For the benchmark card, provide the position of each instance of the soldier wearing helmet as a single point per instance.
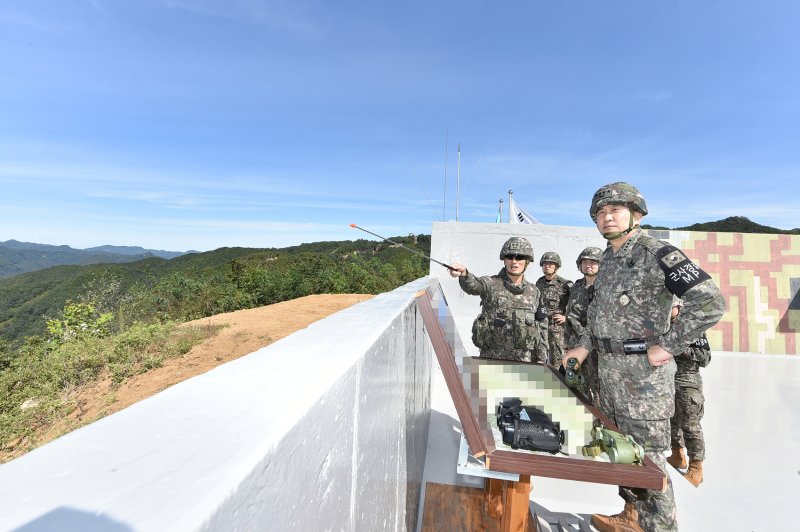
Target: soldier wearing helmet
(579, 298)
(617, 196)
(555, 294)
(509, 326)
(685, 427)
(628, 324)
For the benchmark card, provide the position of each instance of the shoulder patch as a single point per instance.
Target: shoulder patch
(680, 273)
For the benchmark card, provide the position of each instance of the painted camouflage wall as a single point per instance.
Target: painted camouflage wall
(759, 275)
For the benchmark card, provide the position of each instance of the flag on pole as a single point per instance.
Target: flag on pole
(520, 215)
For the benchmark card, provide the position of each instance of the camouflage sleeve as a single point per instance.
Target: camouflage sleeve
(566, 288)
(472, 285)
(542, 347)
(586, 337)
(573, 315)
(703, 306)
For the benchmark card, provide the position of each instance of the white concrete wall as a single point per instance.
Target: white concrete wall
(323, 430)
(477, 245)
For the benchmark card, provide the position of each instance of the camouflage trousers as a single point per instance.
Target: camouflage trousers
(555, 343)
(589, 371)
(656, 508)
(517, 355)
(685, 429)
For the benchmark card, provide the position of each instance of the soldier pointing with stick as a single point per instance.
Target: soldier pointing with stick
(511, 325)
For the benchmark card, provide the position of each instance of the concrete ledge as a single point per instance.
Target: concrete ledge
(325, 429)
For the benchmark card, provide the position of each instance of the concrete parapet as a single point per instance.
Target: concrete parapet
(325, 429)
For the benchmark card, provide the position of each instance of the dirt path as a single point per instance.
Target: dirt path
(244, 332)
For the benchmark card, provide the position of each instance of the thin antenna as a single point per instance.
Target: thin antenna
(458, 180)
(444, 194)
(433, 207)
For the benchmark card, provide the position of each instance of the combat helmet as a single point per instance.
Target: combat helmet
(617, 194)
(550, 256)
(591, 253)
(516, 245)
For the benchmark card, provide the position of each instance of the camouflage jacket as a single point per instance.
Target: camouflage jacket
(579, 298)
(555, 293)
(507, 327)
(697, 356)
(633, 295)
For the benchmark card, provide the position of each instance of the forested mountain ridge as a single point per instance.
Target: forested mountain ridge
(732, 224)
(202, 284)
(20, 257)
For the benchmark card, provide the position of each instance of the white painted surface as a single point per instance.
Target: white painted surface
(324, 429)
(752, 467)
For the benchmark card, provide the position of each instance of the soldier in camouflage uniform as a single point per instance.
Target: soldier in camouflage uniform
(511, 324)
(580, 296)
(628, 323)
(689, 406)
(555, 294)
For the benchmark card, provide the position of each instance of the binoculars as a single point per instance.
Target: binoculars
(572, 376)
(619, 448)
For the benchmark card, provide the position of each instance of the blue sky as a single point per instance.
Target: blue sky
(197, 124)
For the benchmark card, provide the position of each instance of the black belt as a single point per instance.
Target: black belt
(633, 346)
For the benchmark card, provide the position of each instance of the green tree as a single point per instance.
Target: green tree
(79, 320)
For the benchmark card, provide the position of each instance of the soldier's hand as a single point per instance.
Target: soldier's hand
(458, 270)
(559, 318)
(658, 356)
(576, 352)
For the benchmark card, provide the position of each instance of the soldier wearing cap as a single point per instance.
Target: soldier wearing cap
(555, 294)
(628, 323)
(510, 325)
(580, 296)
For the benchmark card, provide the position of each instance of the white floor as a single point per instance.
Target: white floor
(752, 467)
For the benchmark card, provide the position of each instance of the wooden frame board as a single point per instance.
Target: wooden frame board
(479, 435)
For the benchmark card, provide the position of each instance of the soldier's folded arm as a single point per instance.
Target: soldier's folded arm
(703, 306)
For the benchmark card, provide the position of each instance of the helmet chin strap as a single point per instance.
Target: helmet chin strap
(613, 235)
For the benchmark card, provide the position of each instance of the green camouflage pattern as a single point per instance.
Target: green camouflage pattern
(550, 256)
(685, 428)
(579, 298)
(631, 301)
(617, 194)
(516, 245)
(591, 253)
(555, 295)
(506, 328)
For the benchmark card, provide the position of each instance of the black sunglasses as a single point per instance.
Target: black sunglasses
(516, 257)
